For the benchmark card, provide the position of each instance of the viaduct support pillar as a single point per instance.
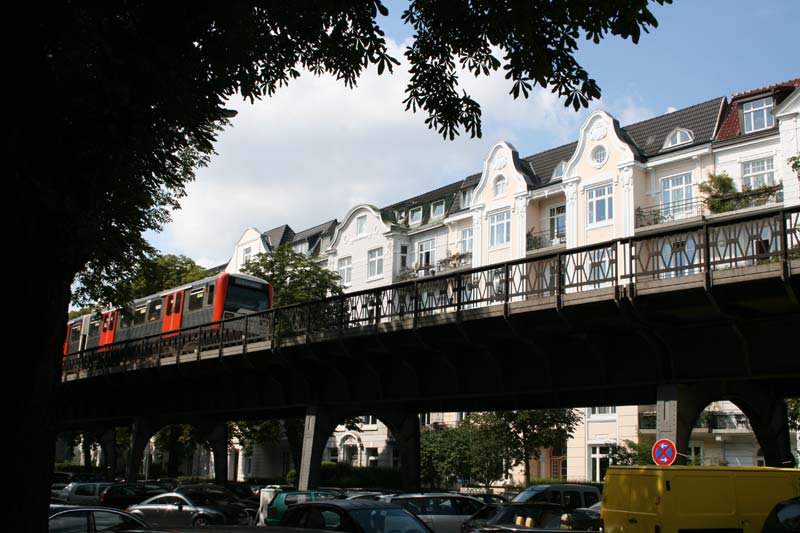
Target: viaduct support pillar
(405, 430)
(108, 447)
(218, 437)
(141, 432)
(677, 409)
(769, 420)
(320, 424)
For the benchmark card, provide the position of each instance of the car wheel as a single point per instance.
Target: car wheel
(201, 521)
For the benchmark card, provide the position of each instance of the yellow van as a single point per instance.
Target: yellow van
(683, 499)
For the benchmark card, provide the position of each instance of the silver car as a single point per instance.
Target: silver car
(83, 493)
(442, 512)
(189, 508)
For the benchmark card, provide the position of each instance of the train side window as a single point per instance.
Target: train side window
(139, 315)
(125, 319)
(178, 302)
(154, 310)
(94, 327)
(170, 299)
(76, 331)
(196, 299)
(210, 299)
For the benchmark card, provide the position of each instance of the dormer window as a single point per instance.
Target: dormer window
(466, 198)
(437, 209)
(678, 137)
(500, 186)
(301, 248)
(558, 172)
(757, 114)
(415, 215)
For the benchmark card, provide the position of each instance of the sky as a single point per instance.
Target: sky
(316, 149)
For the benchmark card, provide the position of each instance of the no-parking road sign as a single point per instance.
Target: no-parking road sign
(664, 452)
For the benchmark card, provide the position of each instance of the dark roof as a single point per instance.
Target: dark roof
(446, 193)
(277, 236)
(543, 163)
(730, 126)
(316, 231)
(701, 119)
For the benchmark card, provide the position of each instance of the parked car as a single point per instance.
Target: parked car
(584, 519)
(513, 516)
(364, 495)
(442, 512)
(93, 519)
(570, 495)
(122, 495)
(83, 493)
(188, 509)
(490, 498)
(784, 517)
(481, 518)
(283, 500)
(353, 516)
(222, 495)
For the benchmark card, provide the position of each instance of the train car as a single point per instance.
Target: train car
(200, 302)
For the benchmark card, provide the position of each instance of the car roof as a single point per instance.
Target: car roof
(350, 504)
(432, 494)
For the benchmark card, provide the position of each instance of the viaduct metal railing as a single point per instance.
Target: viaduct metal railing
(702, 248)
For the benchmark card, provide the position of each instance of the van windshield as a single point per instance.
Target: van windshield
(529, 493)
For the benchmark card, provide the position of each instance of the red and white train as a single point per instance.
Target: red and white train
(196, 303)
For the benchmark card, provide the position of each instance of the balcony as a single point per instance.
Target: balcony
(545, 239)
(767, 195)
(650, 216)
(454, 261)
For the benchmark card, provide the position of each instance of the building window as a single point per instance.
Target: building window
(361, 225)
(426, 254)
(246, 255)
(372, 457)
(758, 114)
(466, 198)
(369, 420)
(403, 256)
(395, 457)
(415, 215)
(345, 270)
(758, 173)
(375, 262)
(603, 411)
(601, 204)
(679, 136)
(333, 454)
(425, 419)
(301, 248)
(500, 186)
(558, 222)
(558, 172)
(676, 194)
(600, 462)
(466, 241)
(499, 228)
(437, 209)
(599, 156)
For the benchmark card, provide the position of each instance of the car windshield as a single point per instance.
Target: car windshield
(387, 520)
(595, 507)
(527, 494)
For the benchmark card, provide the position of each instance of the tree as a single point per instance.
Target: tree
(793, 410)
(632, 453)
(720, 193)
(794, 161)
(492, 446)
(127, 98)
(447, 455)
(534, 429)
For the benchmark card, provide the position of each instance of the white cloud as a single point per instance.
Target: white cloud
(671, 109)
(316, 148)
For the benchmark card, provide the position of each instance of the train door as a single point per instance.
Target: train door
(108, 328)
(173, 311)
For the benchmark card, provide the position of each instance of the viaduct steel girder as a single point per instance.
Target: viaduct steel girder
(611, 345)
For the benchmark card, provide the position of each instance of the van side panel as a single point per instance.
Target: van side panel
(756, 495)
(707, 499)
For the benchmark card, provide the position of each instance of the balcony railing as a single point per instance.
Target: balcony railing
(710, 420)
(545, 239)
(454, 262)
(707, 247)
(747, 198)
(650, 216)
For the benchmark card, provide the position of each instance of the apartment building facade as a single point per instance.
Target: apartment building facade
(613, 182)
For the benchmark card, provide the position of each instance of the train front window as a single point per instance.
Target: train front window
(245, 296)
